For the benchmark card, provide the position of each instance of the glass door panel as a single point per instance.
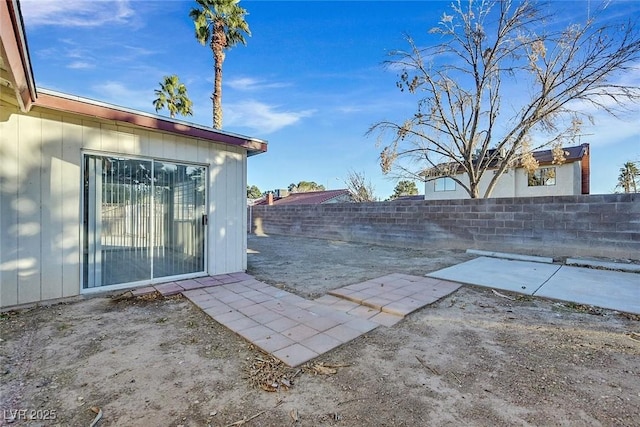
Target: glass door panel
(143, 219)
(179, 221)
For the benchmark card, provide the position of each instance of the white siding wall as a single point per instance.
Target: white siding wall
(504, 188)
(40, 196)
(514, 183)
(568, 182)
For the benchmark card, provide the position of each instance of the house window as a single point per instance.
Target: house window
(445, 184)
(542, 176)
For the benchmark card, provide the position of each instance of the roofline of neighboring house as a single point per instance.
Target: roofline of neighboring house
(17, 54)
(584, 153)
(16, 51)
(270, 199)
(89, 107)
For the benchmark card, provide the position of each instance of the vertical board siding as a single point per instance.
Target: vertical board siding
(9, 185)
(243, 225)
(40, 198)
(72, 132)
(51, 197)
(29, 224)
(235, 209)
(218, 211)
(227, 220)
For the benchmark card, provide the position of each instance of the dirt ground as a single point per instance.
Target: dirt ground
(473, 358)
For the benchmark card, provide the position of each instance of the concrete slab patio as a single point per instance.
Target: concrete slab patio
(607, 289)
(602, 288)
(524, 277)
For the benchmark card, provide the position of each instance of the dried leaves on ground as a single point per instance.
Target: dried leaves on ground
(270, 374)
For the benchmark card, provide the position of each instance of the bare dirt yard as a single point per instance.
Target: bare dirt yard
(472, 358)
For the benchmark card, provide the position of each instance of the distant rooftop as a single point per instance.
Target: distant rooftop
(308, 198)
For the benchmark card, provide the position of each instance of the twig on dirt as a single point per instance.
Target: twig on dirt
(322, 368)
(457, 379)
(424, 365)
(97, 411)
(245, 420)
(634, 336)
(503, 295)
(337, 365)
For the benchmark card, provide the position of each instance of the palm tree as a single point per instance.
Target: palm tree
(629, 178)
(173, 95)
(221, 24)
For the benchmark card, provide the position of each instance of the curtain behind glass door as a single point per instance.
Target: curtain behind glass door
(117, 199)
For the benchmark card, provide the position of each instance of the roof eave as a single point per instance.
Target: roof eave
(77, 105)
(14, 49)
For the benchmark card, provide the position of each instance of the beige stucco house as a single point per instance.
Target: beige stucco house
(566, 179)
(98, 197)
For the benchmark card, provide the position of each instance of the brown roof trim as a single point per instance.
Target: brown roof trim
(91, 108)
(14, 46)
(544, 158)
(572, 154)
(305, 198)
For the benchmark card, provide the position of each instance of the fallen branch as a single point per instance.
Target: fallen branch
(337, 365)
(457, 379)
(424, 365)
(97, 411)
(245, 420)
(503, 295)
(324, 369)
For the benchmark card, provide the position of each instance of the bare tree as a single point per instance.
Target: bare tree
(469, 119)
(360, 187)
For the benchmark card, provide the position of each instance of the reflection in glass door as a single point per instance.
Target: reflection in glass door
(143, 220)
(179, 194)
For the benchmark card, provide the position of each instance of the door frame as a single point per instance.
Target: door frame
(96, 289)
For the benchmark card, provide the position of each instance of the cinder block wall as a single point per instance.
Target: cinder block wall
(559, 226)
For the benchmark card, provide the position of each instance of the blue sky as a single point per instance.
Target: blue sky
(310, 80)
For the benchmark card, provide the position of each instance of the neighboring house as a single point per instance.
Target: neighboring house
(305, 198)
(566, 179)
(98, 197)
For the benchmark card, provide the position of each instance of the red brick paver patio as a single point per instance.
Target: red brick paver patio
(296, 330)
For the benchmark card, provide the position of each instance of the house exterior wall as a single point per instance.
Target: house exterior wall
(40, 196)
(514, 183)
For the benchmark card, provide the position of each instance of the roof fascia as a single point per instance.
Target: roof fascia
(77, 105)
(15, 50)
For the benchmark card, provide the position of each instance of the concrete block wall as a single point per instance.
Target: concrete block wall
(559, 226)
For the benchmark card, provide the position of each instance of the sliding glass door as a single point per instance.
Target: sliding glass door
(143, 219)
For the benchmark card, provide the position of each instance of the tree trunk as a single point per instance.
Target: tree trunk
(474, 191)
(218, 44)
